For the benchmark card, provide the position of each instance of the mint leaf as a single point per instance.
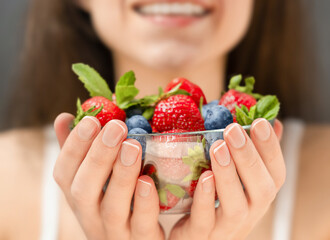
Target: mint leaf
(125, 90)
(268, 107)
(148, 113)
(242, 117)
(175, 190)
(252, 112)
(162, 196)
(235, 81)
(92, 81)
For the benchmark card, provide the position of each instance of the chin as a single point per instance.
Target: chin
(169, 57)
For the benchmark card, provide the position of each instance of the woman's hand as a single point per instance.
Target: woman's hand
(259, 163)
(87, 158)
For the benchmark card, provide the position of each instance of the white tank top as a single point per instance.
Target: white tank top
(284, 202)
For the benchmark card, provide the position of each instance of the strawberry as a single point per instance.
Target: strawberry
(177, 112)
(109, 111)
(195, 91)
(238, 95)
(171, 201)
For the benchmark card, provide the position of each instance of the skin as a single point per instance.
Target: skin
(86, 160)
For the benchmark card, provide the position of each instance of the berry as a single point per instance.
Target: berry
(171, 201)
(132, 111)
(195, 91)
(208, 106)
(217, 117)
(138, 121)
(141, 139)
(151, 171)
(211, 138)
(177, 112)
(109, 111)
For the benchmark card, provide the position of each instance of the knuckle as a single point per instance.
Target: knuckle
(267, 193)
(78, 194)
(239, 214)
(59, 177)
(98, 161)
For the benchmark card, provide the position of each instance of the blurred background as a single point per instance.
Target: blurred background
(12, 23)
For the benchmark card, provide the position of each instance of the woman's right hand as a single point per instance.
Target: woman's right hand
(88, 156)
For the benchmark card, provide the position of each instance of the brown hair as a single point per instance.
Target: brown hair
(59, 34)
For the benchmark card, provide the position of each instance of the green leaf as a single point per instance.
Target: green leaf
(148, 113)
(176, 88)
(252, 112)
(242, 117)
(92, 81)
(188, 160)
(235, 81)
(160, 91)
(125, 90)
(188, 178)
(148, 101)
(268, 107)
(176, 190)
(81, 114)
(201, 100)
(162, 196)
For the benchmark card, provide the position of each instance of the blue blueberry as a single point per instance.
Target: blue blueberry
(138, 121)
(217, 117)
(208, 106)
(130, 112)
(141, 139)
(211, 138)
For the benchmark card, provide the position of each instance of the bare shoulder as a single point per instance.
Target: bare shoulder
(20, 174)
(313, 192)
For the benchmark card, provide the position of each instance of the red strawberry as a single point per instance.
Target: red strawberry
(195, 91)
(171, 202)
(177, 112)
(233, 97)
(109, 111)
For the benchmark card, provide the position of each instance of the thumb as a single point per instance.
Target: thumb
(62, 127)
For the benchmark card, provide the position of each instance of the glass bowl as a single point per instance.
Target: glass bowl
(175, 162)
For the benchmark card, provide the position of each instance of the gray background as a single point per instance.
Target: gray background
(12, 17)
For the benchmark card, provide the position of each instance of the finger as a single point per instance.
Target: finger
(62, 127)
(202, 217)
(93, 172)
(233, 203)
(259, 184)
(144, 221)
(74, 151)
(268, 147)
(116, 203)
(278, 128)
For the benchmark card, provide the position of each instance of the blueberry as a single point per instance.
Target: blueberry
(214, 102)
(208, 106)
(138, 121)
(210, 139)
(217, 117)
(132, 111)
(141, 139)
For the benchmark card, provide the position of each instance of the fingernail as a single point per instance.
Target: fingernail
(113, 134)
(87, 128)
(144, 188)
(208, 184)
(261, 129)
(222, 154)
(235, 136)
(129, 153)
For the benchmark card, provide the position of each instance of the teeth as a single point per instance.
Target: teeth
(188, 9)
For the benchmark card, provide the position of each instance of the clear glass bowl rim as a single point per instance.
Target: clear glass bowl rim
(246, 127)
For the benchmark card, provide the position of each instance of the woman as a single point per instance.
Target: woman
(62, 32)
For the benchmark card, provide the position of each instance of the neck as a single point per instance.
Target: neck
(208, 75)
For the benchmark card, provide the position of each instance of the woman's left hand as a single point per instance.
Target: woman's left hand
(258, 162)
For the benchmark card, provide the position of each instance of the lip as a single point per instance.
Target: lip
(172, 21)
